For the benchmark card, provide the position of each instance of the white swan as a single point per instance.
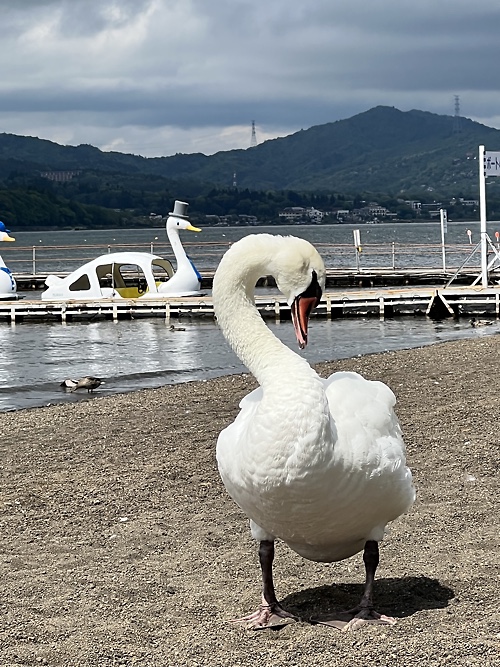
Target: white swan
(8, 287)
(318, 463)
(186, 279)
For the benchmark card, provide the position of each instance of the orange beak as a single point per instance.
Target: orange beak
(301, 310)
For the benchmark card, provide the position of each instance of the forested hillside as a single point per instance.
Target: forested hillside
(381, 155)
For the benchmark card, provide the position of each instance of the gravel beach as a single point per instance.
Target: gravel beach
(120, 546)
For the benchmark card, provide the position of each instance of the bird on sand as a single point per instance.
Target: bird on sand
(318, 463)
(479, 323)
(88, 382)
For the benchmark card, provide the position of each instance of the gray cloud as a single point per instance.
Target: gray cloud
(164, 76)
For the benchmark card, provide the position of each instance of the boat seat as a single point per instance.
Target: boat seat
(130, 292)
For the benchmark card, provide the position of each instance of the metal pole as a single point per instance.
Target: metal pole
(33, 262)
(357, 246)
(482, 212)
(444, 229)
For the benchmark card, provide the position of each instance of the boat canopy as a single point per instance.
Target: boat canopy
(120, 275)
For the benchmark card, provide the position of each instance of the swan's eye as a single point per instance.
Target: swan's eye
(178, 223)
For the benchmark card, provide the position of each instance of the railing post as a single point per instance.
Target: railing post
(393, 256)
(33, 261)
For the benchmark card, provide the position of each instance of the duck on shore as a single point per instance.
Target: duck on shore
(89, 382)
(480, 323)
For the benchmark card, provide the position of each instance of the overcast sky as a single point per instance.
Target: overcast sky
(159, 77)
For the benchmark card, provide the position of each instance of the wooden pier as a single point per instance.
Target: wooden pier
(437, 303)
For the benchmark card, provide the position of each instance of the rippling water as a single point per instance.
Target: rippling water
(130, 355)
(135, 354)
(414, 245)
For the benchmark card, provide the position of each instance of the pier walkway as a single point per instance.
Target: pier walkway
(435, 302)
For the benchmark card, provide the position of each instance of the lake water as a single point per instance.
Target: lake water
(131, 355)
(400, 245)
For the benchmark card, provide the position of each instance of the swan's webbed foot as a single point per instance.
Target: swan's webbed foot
(363, 612)
(270, 614)
(266, 616)
(354, 618)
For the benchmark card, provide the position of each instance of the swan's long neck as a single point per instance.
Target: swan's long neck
(246, 332)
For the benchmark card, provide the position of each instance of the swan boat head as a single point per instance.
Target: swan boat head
(186, 280)
(8, 287)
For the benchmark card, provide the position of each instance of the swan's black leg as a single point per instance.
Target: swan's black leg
(266, 558)
(270, 613)
(363, 612)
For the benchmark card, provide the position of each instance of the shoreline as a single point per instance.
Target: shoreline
(120, 545)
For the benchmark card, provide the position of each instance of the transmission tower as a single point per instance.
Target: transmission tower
(457, 125)
(253, 140)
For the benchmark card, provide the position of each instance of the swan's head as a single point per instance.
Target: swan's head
(180, 223)
(300, 276)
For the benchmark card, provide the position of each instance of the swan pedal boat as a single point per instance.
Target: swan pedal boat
(8, 287)
(133, 275)
(120, 275)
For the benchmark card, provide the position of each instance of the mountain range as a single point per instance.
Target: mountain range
(383, 150)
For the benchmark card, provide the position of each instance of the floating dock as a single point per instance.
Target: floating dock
(437, 303)
(345, 277)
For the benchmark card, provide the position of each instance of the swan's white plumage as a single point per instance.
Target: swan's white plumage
(318, 463)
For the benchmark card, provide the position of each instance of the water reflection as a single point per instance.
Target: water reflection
(135, 354)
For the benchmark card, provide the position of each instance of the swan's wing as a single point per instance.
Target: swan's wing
(231, 437)
(369, 401)
(234, 434)
(231, 451)
(370, 444)
(365, 420)
(251, 400)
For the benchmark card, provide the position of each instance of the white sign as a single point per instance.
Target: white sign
(444, 220)
(491, 163)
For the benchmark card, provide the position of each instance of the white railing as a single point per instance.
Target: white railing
(42, 260)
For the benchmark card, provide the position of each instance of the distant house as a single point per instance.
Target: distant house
(298, 214)
(342, 213)
(59, 176)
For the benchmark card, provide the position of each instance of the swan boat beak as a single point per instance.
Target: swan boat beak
(193, 229)
(302, 307)
(8, 238)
